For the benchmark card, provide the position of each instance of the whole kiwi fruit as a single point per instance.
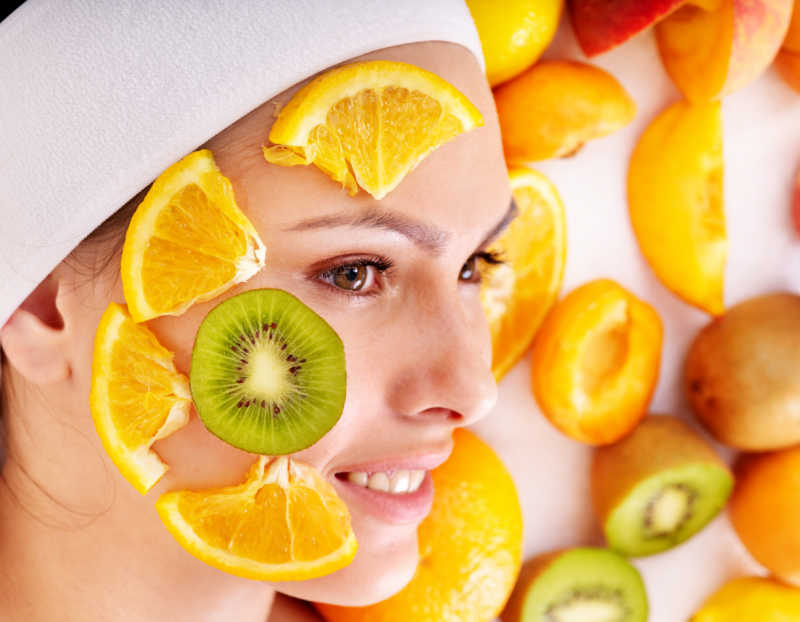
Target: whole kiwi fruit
(742, 374)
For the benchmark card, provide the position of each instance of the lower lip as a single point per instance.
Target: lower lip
(399, 509)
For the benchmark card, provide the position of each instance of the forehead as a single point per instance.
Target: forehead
(460, 187)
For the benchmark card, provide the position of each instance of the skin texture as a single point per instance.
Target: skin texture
(418, 365)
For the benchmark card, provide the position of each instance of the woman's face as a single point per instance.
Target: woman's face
(395, 279)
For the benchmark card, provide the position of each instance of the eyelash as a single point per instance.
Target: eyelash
(489, 258)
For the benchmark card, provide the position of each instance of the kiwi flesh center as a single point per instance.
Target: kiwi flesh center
(266, 370)
(590, 605)
(668, 510)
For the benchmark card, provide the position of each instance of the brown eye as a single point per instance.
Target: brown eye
(469, 271)
(351, 278)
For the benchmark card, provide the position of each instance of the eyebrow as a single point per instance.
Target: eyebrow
(426, 236)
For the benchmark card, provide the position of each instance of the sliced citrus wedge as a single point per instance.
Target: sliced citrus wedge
(369, 124)
(283, 523)
(517, 294)
(188, 241)
(137, 396)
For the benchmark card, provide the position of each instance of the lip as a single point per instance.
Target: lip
(397, 509)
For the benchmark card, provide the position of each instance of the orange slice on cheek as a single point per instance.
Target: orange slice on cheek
(187, 242)
(137, 396)
(595, 362)
(283, 523)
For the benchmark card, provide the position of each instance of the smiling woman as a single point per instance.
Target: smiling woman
(397, 279)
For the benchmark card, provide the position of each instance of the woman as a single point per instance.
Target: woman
(78, 542)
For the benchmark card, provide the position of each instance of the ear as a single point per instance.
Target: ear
(34, 338)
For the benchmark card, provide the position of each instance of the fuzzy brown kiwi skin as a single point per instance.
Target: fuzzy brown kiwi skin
(742, 374)
(527, 575)
(660, 442)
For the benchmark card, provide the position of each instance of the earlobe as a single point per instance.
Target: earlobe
(34, 338)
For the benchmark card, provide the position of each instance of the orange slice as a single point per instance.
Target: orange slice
(137, 396)
(283, 523)
(188, 241)
(369, 124)
(517, 294)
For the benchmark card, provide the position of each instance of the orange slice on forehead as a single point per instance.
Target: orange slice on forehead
(283, 523)
(369, 124)
(517, 294)
(188, 241)
(137, 396)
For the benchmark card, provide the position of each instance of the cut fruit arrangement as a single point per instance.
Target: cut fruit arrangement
(656, 481)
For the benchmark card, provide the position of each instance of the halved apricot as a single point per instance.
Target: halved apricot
(595, 362)
(676, 203)
(765, 510)
(517, 294)
(712, 50)
(553, 108)
(788, 64)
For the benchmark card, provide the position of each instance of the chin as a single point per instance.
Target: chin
(384, 564)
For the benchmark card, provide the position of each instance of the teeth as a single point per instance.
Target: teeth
(379, 482)
(398, 483)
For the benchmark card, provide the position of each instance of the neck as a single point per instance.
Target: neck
(67, 562)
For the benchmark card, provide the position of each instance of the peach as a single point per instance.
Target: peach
(676, 204)
(751, 598)
(765, 510)
(717, 49)
(600, 26)
(553, 108)
(788, 64)
(595, 362)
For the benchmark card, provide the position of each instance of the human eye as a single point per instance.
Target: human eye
(359, 276)
(473, 268)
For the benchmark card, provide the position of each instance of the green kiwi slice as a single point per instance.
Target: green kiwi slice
(268, 373)
(657, 487)
(584, 584)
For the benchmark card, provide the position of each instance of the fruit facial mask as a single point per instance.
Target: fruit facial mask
(369, 124)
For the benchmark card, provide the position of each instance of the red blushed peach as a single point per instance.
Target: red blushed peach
(716, 49)
(600, 26)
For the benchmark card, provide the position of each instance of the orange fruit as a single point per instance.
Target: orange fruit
(137, 396)
(751, 598)
(469, 545)
(765, 510)
(283, 523)
(369, 124)
(517, 294)
(515, 35)
(188, 241)
(675, 199)
(553, 108)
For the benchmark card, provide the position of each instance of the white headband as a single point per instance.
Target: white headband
(98, 97)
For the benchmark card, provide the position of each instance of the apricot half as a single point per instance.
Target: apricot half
(788, 59)
(751, 599)
(713, 50)
(553, 108)
(676, 204)
(765, 510)
(595, 362)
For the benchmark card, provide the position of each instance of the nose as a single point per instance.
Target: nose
(445, 369)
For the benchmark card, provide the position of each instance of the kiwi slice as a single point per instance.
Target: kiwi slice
(657, 487)
(268, 374)
(583, 584)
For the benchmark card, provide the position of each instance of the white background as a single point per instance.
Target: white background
(762, 156)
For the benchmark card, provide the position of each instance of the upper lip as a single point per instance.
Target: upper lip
(423, 461)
